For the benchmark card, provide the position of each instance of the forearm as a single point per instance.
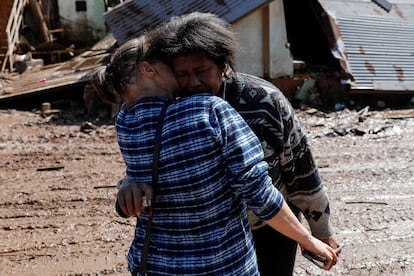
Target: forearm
(286, 223)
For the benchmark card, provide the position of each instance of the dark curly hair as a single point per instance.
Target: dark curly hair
(194, 33)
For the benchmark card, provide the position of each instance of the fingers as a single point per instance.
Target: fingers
(338, 249)
(127, 203)
(148, 192)
(331, 242)
(326, 257)
(134, 197)
(122, 203)
(331, 259)
(136, 202)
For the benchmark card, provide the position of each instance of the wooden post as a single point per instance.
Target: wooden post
(43, 26)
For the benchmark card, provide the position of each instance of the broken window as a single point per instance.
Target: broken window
(80, 5)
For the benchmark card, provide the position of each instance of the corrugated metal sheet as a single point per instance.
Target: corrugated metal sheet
(132, 18)
(379, 46)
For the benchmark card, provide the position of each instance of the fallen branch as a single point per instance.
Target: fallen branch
(366, 202)
(50, 168)
(105, 187)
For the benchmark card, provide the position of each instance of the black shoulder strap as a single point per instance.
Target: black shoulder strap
(156, 155)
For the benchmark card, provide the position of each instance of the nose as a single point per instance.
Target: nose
(194, 81)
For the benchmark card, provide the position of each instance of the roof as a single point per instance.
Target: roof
(132, 18)
(378, 46)
(72, 73)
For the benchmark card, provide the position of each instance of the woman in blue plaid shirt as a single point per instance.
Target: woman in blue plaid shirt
(211, 170)
(201, 47)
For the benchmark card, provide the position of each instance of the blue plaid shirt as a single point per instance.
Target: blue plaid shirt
(211, 170)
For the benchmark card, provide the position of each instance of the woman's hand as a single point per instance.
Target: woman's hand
(287, 223)
(333, 243)
(322, 252)
(133, 198)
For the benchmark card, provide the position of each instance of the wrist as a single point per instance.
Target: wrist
(305, 239)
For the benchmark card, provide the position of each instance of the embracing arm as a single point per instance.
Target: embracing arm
(253, 184)
(286, 223)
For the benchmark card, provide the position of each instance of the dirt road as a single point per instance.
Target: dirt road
(58, 188)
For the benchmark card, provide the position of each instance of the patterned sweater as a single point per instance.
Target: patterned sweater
(291, 165)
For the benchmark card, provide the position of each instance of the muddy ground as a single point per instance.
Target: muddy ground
(57, 184)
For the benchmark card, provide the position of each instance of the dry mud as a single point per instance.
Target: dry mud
(58, 188)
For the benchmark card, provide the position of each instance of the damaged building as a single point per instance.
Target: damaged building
(341, 46)
(315, 50)
(48, 48)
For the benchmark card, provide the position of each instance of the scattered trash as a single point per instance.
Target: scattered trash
(46, 110)
(339, 106)
(87, 127)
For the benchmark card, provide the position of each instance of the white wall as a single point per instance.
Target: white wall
(250, 34)
(83, 26)
(281, 62)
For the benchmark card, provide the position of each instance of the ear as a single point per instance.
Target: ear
(146, 70)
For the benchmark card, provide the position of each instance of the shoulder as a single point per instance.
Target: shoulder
(145, 109)
(255, 92)
(253, 82)
(253, 89)
(205, 106)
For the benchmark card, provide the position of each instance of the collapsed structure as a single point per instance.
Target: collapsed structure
(316, 49)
